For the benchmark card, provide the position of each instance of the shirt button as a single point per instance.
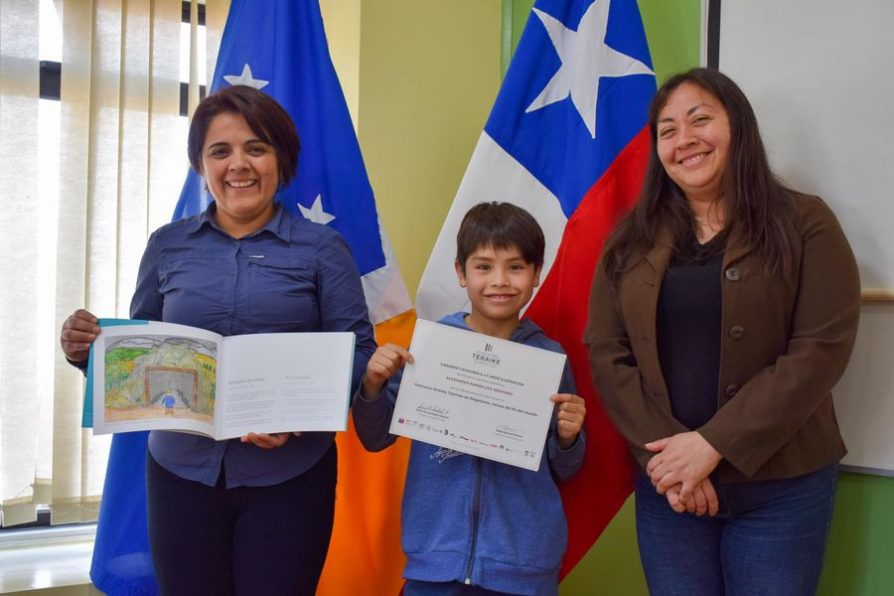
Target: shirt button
(731, 390)
(733, 274)
(736, 331)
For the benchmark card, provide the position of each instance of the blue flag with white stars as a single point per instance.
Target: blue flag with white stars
(281, 49)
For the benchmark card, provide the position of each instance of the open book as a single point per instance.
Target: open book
(145, 375)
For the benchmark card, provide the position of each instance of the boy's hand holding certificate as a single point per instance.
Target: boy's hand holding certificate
(477, 394)
(161, 376)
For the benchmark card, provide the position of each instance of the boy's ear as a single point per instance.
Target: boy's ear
(537, 275)
(460, 274)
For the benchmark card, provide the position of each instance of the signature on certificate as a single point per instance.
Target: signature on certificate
(504, 430)
(433, 411)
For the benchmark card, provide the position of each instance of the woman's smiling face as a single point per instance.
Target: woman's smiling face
(241, 172)
(693, 140)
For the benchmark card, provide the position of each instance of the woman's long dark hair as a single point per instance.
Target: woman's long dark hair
(753, 198)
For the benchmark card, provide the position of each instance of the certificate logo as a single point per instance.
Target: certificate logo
(486, 356)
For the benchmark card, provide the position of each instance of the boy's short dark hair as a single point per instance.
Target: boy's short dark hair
(502, 226)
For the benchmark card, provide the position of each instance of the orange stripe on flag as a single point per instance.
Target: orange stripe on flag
(365, 557)
(397, 330)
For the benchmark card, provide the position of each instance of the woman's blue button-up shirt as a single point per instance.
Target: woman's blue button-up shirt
(291, 275)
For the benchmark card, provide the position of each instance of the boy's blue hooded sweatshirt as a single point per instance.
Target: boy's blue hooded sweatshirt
(473, 520)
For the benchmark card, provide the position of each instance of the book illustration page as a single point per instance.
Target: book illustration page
(159, 377)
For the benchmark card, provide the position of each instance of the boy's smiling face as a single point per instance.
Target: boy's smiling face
(499, 283)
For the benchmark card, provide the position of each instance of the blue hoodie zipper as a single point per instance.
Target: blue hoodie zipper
(476, 512)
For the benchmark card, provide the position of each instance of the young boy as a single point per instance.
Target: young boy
(471, 525)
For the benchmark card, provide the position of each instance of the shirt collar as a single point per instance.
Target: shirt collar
(279, 224)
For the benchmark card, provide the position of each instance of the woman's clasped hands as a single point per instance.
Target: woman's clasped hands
(679, 470)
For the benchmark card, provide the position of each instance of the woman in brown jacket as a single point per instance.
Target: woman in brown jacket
(723, 311)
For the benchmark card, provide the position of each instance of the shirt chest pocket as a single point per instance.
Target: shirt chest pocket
(282, 294)
(193, 288)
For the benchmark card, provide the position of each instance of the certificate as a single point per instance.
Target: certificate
(477, 394)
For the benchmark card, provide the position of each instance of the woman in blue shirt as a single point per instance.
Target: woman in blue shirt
(251, 515)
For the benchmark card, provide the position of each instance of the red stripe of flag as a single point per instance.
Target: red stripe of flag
(598, 491)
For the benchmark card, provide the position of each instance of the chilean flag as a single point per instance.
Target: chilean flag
(567, 140)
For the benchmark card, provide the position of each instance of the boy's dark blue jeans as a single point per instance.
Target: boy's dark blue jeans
(768, 538)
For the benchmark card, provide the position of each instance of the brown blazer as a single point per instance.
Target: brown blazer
(786, 343)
